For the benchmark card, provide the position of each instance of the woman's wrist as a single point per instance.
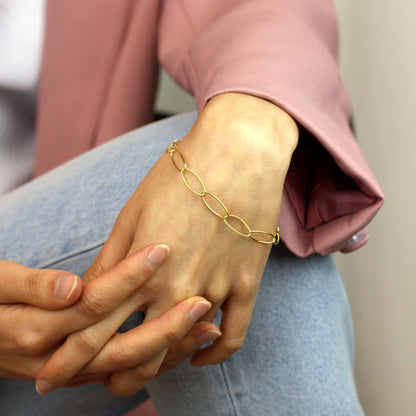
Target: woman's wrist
(241, 147)
(265, 126)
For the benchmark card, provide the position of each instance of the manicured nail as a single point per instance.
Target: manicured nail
(199, 310)
(65, 286)
(157, 256)
(208, 336)
(44, 386)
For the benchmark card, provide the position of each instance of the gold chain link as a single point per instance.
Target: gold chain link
(209, 199)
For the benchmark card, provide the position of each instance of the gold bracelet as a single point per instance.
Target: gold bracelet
(220, 210)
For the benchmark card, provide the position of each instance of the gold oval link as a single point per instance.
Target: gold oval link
(276, 236)
(264, 234)
(172, 156)
(203, 197)
(263, 237)
(173, 146)
(226, 220)
(204, 190)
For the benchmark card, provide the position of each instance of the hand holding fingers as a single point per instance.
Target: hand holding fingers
(236, 315)
(104, 305)
(141, 348)
(169, 328)
(102, 366)
(47, 289)
(101, 296)
(29, 335)
(22, 345)
(202, 333)
(125, 352)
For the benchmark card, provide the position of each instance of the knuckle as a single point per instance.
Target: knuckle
(148, 371)
(247, 286)
(96, 269)
(133, 279)
(215, 295)
(171, 337)
(119, 359)
(149, 286)
(125, 391)
(30, 343)
(32, 285)
(59, 372)
(232, 345)
(93, 305)
(86, 341)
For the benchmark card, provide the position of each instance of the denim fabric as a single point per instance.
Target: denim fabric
(298, 355)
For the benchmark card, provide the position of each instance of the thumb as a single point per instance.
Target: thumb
(47, 289)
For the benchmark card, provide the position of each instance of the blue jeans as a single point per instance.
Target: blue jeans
(298, 355)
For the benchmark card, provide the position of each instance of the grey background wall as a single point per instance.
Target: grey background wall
(378, 61)
(379, 67)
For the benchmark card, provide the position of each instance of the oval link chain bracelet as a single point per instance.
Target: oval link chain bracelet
(214, 204)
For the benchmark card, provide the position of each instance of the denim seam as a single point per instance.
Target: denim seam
(228, 387)
(71, 255)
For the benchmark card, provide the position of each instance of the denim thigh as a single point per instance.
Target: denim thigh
(297, 359)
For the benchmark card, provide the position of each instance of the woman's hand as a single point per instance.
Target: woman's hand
(23, 325)
(241, 147)
(139, 347)
(30, 333)
(93, 351)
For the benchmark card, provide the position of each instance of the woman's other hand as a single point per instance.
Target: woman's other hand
(26, 296)
(31, 327)
(92, 351)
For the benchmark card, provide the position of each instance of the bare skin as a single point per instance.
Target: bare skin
(241, 146)
(37, 317)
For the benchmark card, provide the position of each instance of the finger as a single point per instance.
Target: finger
(20, 366)
(47, 289)
(81, 346)
(116, 246)
(21, 329)
(87, 380)
(127, 383)
(211, 314)
(39, 330)
(101, 296)
(141, 350)
(196, 338)
(203, 331)
(236, 315)
(127, 350)
(199, 334)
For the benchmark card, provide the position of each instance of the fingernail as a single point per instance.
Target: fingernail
(209, 336)
(44, 386)
(157, 256)
(65, 286)
(199, 310)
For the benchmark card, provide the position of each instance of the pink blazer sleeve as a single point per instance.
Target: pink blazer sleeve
(284, 51)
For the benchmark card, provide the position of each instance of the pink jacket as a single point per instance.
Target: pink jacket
(99, 77)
